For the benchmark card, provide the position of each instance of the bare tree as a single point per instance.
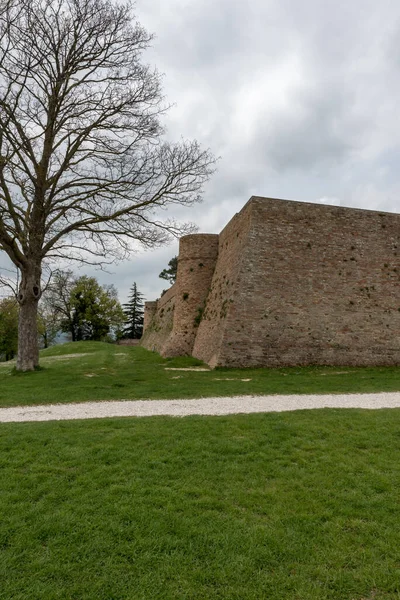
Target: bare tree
(84, 168)
(57, 299)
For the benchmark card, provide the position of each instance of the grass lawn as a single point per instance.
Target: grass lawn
(83, 371)
(290, 506)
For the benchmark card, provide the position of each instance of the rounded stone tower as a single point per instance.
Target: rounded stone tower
(198, 255)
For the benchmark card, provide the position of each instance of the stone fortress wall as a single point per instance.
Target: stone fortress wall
(285, 283)
(170, 323)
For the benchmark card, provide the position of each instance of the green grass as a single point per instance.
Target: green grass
(299, 506)
(105, 372)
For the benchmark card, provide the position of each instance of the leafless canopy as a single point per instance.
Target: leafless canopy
(82, 156)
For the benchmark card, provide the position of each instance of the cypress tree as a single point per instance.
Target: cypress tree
(134, 312)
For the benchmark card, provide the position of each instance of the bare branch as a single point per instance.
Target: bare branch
(85, 171)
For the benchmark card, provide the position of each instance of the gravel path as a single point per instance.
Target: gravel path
(201, 406)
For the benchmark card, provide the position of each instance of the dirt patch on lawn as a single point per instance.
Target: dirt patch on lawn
(186, 369)
(65, 356)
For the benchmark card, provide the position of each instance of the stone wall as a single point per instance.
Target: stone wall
(128, 342)
(196, 264)
(297, 284)
(222, 296)
(158, 321)
(171, 323)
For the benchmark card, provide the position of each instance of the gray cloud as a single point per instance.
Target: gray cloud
(300, 100)
(313, 131)
(308, 82)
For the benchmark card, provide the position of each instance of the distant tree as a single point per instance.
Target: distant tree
(82, 307)
(134, 311)
(49, 322)
(170, 274)
(8, 328)
(57, 299)
(85, 169)
(95, 310)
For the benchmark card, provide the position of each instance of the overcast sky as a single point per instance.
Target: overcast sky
(299, 98)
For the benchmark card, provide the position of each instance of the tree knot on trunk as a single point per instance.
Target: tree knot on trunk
(29, 292)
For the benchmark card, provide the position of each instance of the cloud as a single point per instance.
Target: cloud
(300, 100)
(291, 85)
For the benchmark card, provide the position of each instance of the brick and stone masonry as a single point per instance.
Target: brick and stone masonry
(285, 283)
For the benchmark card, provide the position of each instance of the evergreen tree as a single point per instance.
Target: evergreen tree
(170, 274)
(134, 311)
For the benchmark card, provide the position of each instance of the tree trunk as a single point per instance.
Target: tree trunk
(28, 297)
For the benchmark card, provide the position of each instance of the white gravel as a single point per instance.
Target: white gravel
(201, 406)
